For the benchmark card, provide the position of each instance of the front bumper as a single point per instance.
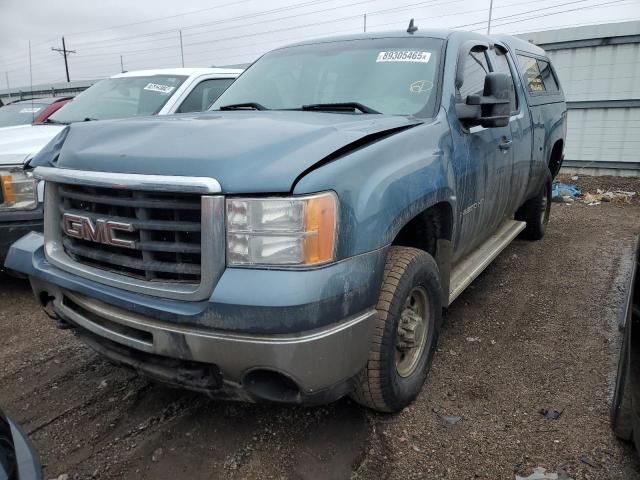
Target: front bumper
(324, 326)
(15, 225)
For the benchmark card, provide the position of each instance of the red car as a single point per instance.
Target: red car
(36, 110)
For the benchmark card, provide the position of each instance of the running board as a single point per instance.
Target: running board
(474, 264)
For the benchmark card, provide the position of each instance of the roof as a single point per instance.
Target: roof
(519, 44)
(44, 100)
(427, 33)
(181, 71)
(514, 42)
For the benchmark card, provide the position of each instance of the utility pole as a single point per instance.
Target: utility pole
(6, 75)
(181, 48)
(121, 64)
(490, 11)
(364, 26)
(65, 53)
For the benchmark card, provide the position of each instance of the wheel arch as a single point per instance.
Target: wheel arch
(431, 230)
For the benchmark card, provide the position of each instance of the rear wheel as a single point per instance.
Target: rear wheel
(535, 212)
(405, 334)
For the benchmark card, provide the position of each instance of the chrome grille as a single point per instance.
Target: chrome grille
(166, 232)
(175, 250)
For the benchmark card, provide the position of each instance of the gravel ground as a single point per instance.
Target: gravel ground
(537, 330)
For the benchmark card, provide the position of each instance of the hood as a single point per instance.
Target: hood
(23, 141)
(247, 152)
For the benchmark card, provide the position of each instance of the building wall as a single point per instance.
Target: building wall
(599, 69)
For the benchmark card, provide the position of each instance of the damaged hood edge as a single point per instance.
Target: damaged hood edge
(246, 152)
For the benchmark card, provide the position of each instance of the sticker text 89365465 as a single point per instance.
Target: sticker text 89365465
(404, 56)
(156, 87)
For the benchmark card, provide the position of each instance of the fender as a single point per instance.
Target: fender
(386, 184)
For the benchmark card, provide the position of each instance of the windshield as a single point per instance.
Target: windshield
(120, 97)
(20, 114)
(393, 76)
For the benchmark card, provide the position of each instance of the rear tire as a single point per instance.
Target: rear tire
(535, 212)
(405, 333)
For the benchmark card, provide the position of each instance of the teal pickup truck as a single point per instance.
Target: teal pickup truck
(298, 242)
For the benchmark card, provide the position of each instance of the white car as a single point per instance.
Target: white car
(139, 93)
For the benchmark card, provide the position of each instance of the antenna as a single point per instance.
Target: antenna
(412, 28)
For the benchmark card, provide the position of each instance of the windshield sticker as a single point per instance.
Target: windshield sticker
(404, 56)
(156, 87)
(30, 110)
(420, 86)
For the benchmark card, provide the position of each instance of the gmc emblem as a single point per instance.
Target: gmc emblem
(103, 231)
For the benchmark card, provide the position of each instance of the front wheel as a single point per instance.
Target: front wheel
(405, 333)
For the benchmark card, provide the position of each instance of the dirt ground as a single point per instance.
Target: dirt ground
(537, 330)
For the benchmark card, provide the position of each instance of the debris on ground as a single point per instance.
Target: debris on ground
(473, 339)
(540, 473)
(447, 419)
(567, 193)
(63, 476)
(157, 453)
(551, 414)
(564, 192)
(617, 196)
(591, 463)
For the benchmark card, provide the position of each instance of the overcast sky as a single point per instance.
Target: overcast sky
(223, 32)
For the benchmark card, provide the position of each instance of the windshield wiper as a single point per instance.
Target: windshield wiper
(244, 106)
(89, 119)
(338, 107)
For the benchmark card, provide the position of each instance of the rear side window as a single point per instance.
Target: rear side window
(501, 65)
(531, 71)
(475, 72)
(204, 94)
(547, 76)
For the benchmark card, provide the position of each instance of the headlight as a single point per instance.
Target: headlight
(18, 190)
(294, 231)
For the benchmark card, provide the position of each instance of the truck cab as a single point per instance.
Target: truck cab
(298, 242)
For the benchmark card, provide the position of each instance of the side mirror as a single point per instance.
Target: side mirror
(493, 107)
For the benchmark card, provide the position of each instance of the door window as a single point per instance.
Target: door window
(204, 94)
(475, 71)
(547, 76)
(501, 65)
(529, 67)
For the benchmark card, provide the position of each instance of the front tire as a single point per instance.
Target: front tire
(405, 333)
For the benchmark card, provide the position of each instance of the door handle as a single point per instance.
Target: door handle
(505, 144)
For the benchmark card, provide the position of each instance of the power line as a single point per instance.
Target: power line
(174, 30)
(157, 19)
(586, 7)
(271, 20)
(295, 27)
(213, 54)
(220, 21)
(505, 17)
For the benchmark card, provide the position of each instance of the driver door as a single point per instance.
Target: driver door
(485, 194)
